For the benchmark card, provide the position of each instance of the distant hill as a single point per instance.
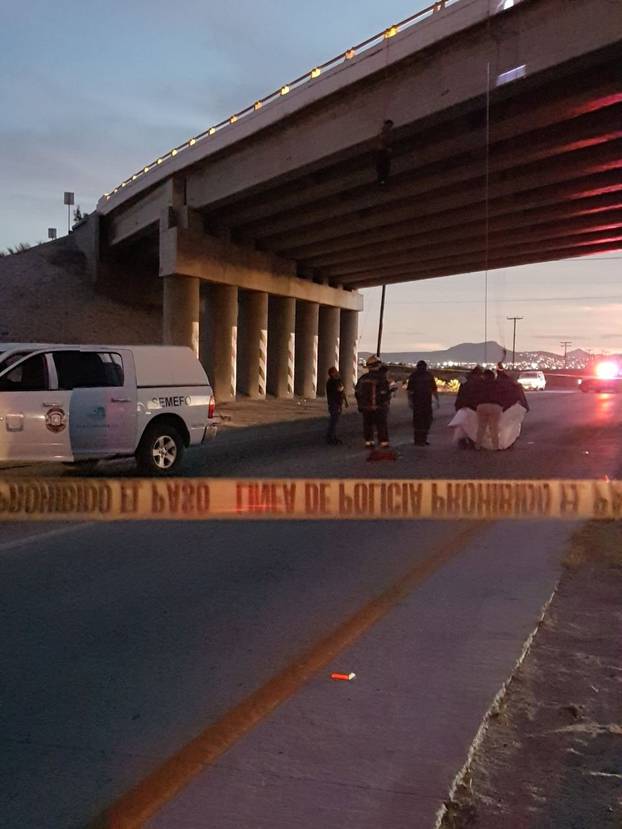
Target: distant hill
(462, 353)
(465, 353)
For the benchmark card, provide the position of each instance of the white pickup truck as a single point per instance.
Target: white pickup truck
(81, 404)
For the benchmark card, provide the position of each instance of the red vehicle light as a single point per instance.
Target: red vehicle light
(607, 370)
(211, 408)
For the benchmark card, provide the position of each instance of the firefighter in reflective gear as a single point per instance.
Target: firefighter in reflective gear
(373, 396)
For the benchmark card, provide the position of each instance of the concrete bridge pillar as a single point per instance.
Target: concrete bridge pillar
(348, 349)
(305, 375)
(180, 311)
(328, 355)
(219, 336)
(281, 345)
(253, 344)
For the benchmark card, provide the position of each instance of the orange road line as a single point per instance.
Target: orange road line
(141, 802)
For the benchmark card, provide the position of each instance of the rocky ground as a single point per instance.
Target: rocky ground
(551, 757)
(46, 295)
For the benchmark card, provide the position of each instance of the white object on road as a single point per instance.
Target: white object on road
(84, 403)
(464, 425)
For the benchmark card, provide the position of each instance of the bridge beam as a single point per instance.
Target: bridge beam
(190, 253)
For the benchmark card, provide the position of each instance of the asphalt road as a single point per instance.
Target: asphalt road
(120, 644)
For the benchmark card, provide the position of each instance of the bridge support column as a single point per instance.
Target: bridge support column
(281, 345)
(305, 374)
(348, 349)
(219, 337)
(328, 345)
(253, 344)
(180, 311)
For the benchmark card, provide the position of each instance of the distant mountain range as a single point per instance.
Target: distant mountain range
(465, 353)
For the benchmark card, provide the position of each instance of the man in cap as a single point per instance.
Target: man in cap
(421, 389)
(373, 395)
(335, 398)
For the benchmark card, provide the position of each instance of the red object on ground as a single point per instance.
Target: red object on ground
(342, 677)
(382, 455)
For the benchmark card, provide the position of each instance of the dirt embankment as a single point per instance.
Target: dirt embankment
(46, 295)
(552, 755)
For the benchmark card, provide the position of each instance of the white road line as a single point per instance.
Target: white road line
(20, 542)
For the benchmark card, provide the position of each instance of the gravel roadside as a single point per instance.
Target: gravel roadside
(551, 757)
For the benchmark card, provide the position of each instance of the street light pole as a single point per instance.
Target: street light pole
(69, 200)
(514, 320)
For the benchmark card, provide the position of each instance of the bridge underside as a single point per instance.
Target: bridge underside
(532, 177)
(506, 150)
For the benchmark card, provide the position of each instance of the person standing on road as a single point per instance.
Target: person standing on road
(421, 390)
(335, 398)
(489, 410)
(373, 396)
(467, 393)
(467, 400)
(510, 391)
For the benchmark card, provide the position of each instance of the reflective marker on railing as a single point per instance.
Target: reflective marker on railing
(351, 53)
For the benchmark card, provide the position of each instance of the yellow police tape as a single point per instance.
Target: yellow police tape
(83, 499)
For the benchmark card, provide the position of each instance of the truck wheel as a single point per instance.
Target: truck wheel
(161, 450)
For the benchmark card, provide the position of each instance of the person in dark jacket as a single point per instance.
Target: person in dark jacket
(467, 393)
(489, 409)
(467, 399)
(373, 396)
(510, 391)
(335, 398)
(421, 390)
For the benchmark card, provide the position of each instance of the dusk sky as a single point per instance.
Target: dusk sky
(90, 92)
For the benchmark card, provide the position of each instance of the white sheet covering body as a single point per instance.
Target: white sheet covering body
(464, 425)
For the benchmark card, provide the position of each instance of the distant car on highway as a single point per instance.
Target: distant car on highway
(532, 380)
(605, 376)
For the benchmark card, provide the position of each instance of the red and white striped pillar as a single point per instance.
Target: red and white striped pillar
(281, 346)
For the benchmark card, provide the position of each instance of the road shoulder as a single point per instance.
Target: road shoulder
(552, 753)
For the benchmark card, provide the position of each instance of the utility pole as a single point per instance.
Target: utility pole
(565, 345)
(381, 320)
(514, 320)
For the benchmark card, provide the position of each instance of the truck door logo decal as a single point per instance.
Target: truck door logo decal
(55, 419)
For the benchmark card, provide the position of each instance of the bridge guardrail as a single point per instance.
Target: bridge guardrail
(302, 80)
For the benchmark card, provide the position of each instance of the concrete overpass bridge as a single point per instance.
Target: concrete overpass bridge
(257, 234)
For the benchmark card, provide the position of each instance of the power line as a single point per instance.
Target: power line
(510, 300)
